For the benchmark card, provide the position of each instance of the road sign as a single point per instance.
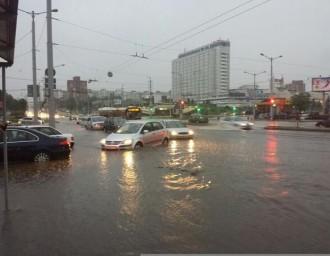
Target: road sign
(46, 72)
(110, 74)
(54, 82)
(30, 90)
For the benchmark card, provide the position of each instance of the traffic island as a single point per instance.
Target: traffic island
(291, 128)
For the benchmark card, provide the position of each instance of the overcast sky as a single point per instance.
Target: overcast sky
(296, 29)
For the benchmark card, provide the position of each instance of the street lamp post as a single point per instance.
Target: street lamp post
(271, 59)
(254, 89)
(34, 63)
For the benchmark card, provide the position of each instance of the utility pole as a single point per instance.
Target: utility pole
(150, 92)
(34, 65)
(254, 89)
(34, 71)
(51, 101)
(271, 59)
(5, 148)
(122, 95)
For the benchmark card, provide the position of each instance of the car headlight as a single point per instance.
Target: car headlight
(103, 141)
(191, 132)
(127, 142)
(173, 133)
(251, 124)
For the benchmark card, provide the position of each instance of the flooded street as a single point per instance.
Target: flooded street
(223, 192)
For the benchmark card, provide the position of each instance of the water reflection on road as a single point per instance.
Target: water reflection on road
(185, 167)
(129, 187)
(223, 192)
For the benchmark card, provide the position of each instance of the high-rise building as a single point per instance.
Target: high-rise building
(202, 73)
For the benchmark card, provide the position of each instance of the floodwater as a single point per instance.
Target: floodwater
(223, 192)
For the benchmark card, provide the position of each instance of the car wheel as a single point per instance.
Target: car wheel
(165, 142)
(138, 145)
(41, 157)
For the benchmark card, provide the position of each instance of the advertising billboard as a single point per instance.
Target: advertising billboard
(321, 84)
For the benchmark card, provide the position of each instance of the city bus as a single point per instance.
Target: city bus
(128, 113)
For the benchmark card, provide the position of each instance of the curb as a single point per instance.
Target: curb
(287, 128)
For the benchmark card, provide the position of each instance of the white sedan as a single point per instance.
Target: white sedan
(177, 130)
(237, 121)
(52, 132)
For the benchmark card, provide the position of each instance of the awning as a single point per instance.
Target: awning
(8, 20)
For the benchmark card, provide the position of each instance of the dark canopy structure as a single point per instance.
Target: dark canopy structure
(8, 20)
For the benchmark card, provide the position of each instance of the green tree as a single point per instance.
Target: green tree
(301, 101)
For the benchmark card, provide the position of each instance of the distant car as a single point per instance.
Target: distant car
(82, 120)
(30, 121)
(53, 132)
(317, 116)
(177, 130)
(323, 123)
(112, 124)
(136, 134)
(236, 121)
(198, 118)
(95, 123)
(29, 144)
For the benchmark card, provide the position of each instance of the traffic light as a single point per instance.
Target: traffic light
(182, 104)
(234, 108)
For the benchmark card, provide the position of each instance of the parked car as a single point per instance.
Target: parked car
(95, 123)
(323, 123)
(29, 144)
(237, 121)
(50, 131)
(136, 134)
(198, 118)
(112, 124)
(30, 121)
(177, 130)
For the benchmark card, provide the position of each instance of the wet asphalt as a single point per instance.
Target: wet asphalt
(226, 191)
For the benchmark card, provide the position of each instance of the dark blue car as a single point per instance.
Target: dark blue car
(28, 144)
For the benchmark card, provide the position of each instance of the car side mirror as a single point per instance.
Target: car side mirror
(145, 131)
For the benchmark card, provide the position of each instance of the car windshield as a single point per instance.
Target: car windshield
(130, 128)
(98, 119)
(174, 124)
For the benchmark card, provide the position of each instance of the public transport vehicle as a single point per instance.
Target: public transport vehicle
(128, 113)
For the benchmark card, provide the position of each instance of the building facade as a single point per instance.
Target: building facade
(297, 86)
(77, 88)
(202, 73)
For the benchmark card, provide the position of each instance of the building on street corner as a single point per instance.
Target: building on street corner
(203, 73)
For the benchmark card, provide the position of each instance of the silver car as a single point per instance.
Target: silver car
(177, 130)
(136, 134)
(237, 121)
(95, 122)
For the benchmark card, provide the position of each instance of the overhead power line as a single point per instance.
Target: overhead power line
(219, 23)
(107, 34)
(125, 64)
(22, 37)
